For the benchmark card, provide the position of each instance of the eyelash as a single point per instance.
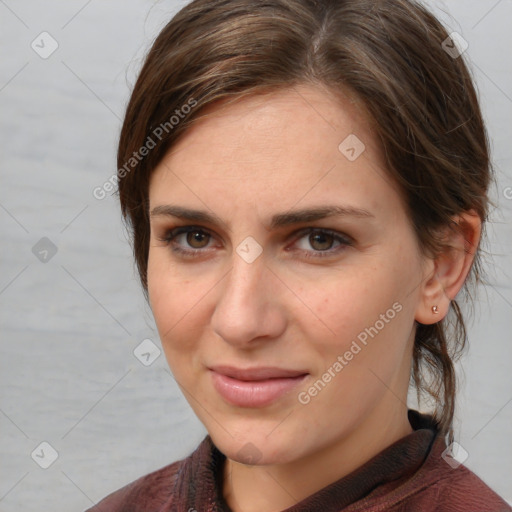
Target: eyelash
(344, 241)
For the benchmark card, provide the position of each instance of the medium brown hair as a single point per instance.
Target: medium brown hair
(390, 54)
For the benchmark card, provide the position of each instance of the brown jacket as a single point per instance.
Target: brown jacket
(412, 475)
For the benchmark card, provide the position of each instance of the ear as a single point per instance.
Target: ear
(445, 274)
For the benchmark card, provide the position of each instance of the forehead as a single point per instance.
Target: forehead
(283, 146)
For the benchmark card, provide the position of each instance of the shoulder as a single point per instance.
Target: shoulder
(444, 484)
(460, 489)
(148, 493)
(164, 488)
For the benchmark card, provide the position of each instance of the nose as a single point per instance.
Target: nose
(249, 309)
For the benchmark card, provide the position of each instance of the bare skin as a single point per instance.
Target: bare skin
(304, 300)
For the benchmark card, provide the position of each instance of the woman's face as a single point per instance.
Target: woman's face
(284, 276)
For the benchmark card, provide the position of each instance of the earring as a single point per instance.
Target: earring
(435, 310)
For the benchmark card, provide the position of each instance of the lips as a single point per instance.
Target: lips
(259, 373)
(254, 387)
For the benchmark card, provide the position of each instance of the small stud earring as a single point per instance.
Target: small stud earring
(435, 310)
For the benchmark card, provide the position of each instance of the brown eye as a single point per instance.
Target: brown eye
(197, 239)
(318, 243)
(321, 241)
(188, 241)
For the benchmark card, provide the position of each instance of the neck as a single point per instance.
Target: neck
(272, 488)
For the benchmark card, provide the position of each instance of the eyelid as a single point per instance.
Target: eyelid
(335, 234)
(171, 234)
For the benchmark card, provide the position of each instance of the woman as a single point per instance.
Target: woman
(306, 185)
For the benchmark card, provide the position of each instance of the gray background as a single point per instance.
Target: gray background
(68, 373)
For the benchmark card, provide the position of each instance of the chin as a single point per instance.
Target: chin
(255, 448)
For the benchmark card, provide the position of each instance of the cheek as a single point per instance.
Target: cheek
(350, 303)
(172, 299)
(369, 307)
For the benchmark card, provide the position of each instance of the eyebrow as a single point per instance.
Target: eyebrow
(277, 221)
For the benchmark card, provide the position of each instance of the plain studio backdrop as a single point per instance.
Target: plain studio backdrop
(72, 312)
